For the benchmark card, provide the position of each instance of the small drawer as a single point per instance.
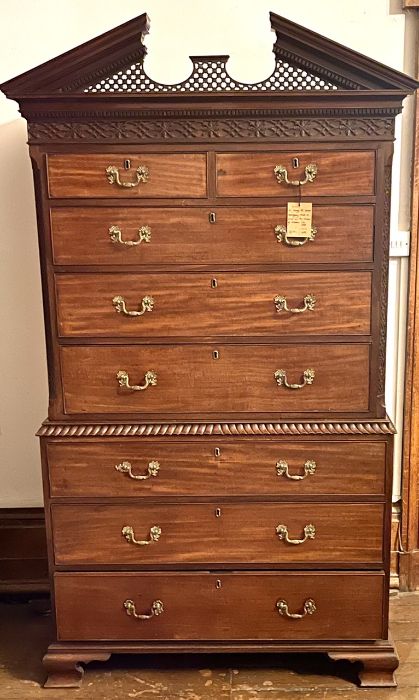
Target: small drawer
(301, 378)
(213, 304)
(222, 606)
(185, 235)
(147, 175)
(219, 533)
(343, 173)
(134, 468)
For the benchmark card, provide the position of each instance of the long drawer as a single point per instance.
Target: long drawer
(208, 378)
(132, 468)
(225, 304)
(219, 533)
(147, 175)
(232, 606)
(185, 235)
(337, 173)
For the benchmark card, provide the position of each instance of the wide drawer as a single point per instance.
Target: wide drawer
(218, 533)
(241, 606)
(166, 175)
(132, 468)
(201, 304)
(343, 173)
(216, 378)
(185, 235)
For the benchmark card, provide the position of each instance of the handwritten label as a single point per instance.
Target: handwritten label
(299, 219)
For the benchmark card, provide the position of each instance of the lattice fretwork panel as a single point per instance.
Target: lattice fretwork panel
(210, 74)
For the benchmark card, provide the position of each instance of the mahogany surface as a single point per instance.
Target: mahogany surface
(221, 468)
(203, 212)
(90, 606)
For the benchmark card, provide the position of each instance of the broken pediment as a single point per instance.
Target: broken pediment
(114, 63)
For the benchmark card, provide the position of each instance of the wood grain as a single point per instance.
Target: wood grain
(242, 379)
(339, 173)
(185, 235)
(242, 304)
(170, 175)
(90, 606)
(242, 534)
(83, 468)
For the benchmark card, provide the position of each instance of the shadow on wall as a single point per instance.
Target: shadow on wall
(23, 397)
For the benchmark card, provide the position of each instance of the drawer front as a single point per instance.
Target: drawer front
(205, 304)
(218, 533)
(90, 606)
(246, 378)
(169, 175)
(105, 236)
(134, 468)
(343, 173)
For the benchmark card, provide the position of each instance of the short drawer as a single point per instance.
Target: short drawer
(132, 468)
(163, 175)
(239, 606)
(185, 235)
(343, 173)
(223, 378)
(219, 533)
(219, 304)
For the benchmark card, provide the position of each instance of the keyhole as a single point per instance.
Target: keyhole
(212, 217)
(295, 163)
(214, 283)
(218, 512)
(217, 452)
(215, 355)
(218, 583)
(127, 164)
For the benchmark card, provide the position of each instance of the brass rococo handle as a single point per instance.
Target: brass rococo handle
(281, 378)
(309, 534)
(147, 304)
(156, 609)
(308, 609)
(281, 174)
(282, 235)
(281, 304)
(282, 470)
(154, 536)
(112, 173)
(144, 235)
(126, 468)
(150, 379)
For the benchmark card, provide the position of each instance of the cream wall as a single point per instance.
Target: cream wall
(34, 31)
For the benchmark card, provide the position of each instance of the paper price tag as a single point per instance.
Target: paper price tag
(299, 219)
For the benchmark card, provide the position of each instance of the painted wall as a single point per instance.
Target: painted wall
(33, 32)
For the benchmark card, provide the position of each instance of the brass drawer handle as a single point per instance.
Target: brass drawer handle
(282, 470)
(282, 235)
(147, 304)
(308, 609)
(309, 534)
(156, 609)
(150, 379)
(281, 304)
(112, 173)
(128, 533)
(152, 470)
(144, 235)
(281, 174)
(281, 378)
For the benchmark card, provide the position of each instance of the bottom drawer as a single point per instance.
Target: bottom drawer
(219, 606)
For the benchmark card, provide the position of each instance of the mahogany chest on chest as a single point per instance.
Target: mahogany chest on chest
(217, 457)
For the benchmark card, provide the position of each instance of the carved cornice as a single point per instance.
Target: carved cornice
(315, 69)
(66, 430)
(210, 129)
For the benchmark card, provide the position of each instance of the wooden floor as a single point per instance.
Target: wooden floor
(24, 635)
